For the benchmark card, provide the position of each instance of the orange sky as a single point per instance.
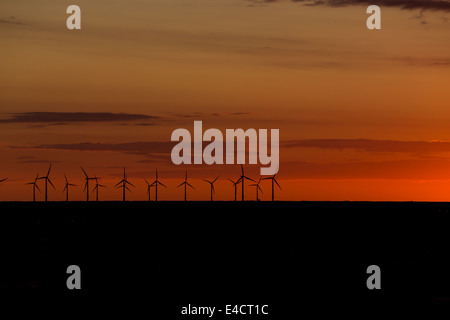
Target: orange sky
(363, 115)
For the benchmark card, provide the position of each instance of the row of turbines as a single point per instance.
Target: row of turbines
(124, 184)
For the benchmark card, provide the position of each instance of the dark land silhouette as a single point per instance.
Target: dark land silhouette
(289, 255)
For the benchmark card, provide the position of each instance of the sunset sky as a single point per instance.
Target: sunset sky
(363, 114)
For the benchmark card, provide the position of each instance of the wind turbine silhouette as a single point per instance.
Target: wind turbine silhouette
(273, 184)
(97, 186)
(242, 178)
(155, 184)
(66, 188)
(212, 186)
(258, 188)
(235, 186)
(124, 183)
(149, 186)
(47, 180)
(86, 185)
(185, 183)
(3, 180)
(34, 183)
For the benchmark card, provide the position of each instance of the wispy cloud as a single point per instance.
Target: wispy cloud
(140, 148)
(11, 20)
(61, 118)
(424, 62)
(378, 146)
(433, 5)
(367, 145)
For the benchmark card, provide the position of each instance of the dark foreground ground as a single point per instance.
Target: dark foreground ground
(158, 257)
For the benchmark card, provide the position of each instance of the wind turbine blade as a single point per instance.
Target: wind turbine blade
(129, 183)
(190, 185)
(71, 184)
(249, 179)
(276, 183)
(267, 178)
(95, 188)
(66, 179)
(49, 168)
(161, 184)
(147, 182)
(206, 180)
(100, 185)
(259, 188)
(37, 176)
(3, 180)
(85, 185)
(65, 188)
(231, 181)
(37, 187)
(181, 184)
(214, 191)
(28, 183)
(49, 181)
(84, 172)
(242, 169)
(119, 183)
(215, 179)
(127, 188)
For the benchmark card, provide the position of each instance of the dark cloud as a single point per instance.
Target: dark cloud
(211, 114)
(255, 3)
(140, 148)
(424, 62)
(379, 146)
(11, 20)
(164, 148)
(60, 118)
(434, 5)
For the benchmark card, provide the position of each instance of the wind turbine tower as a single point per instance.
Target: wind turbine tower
(212, 186)
(185, 183)
(47, 181)
(155, 184)
(124, 184)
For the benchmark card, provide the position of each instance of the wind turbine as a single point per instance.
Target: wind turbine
(212, 186)
(47, 180)
(97, 186)
(66, 187)
(34, 183)
(185, 183)
(273, 184)
(235, 186)
(124, 183)
(86, 185)
(242, 178)
(149, 186)
(155, 184)
(258, 188)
